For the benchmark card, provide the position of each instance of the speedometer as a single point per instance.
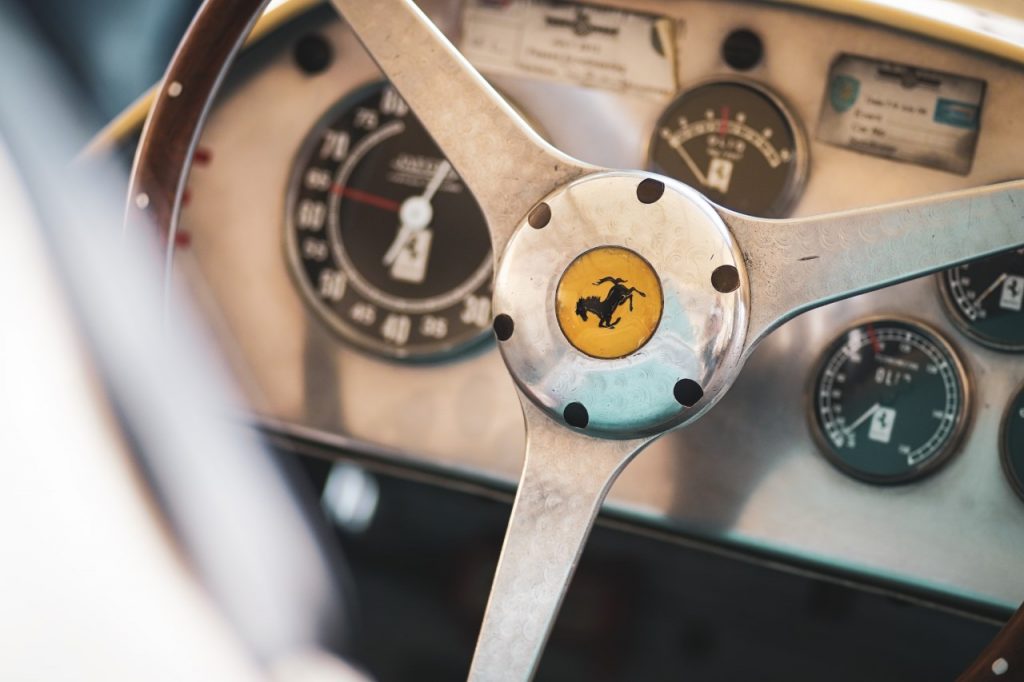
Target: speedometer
(735, 142)
(889, 401)
(384, 239)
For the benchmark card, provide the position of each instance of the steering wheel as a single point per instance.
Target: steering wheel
(694, 288)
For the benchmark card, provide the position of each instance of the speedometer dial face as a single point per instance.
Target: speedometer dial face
(736, 143)
(1013, 442)
(986, 299)
(385, 240)
(889, 401)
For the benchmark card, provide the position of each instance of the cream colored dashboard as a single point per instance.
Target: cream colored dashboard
(750, 474)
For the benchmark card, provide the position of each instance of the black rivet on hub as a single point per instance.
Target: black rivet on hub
(503, 327)
(576, 415)
(742, 49)
(649, 190)
(687, 392)
(313, 54)
(540, 216)
(725, 278)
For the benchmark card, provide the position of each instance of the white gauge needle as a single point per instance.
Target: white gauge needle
(691, 164)
(871, 410)
(992, 287)
(416, 212)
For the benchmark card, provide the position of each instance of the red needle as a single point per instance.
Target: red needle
(723, 127)
(874, 339)
(366, 198)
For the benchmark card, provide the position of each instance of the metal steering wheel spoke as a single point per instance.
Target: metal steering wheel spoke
(506, 165)
(626, 307)
(566, 476)
(796, 265)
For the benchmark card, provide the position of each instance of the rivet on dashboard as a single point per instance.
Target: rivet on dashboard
(503, 327)
(174, 89)
(540, 216)
(742, 49)
(725, 278)
(576, 415)
(649, 190)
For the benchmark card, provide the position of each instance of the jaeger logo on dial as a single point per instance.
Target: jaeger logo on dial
(609, 302)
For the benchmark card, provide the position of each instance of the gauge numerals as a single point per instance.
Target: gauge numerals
(889, 401)
(735, 142)
(386, 242)
(985, 298)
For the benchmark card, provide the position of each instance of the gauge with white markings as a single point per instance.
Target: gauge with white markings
(890, 401)
(385, 240)
(735, 142)
(986, 299)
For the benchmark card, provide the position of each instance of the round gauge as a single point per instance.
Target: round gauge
(735, 142)
(986, 299)
(385, 240)
(890, 401)
(1013, 442)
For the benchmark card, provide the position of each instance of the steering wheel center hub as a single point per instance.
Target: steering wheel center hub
(628, 299)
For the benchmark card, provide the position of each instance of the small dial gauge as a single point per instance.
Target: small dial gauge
(735, 142)
(1013, 442)
(986, 299)
(889, 401)
(385, 240)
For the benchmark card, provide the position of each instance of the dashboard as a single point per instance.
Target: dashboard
(347, 268)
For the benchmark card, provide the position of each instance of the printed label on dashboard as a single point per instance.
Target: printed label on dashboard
(590, 46)
(903, 113)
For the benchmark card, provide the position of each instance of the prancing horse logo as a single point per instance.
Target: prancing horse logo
(604, 310)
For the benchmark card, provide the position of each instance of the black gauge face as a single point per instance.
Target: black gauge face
(736, 144)
(1013, 442)
(385, 240)
(889, 401)
(986, 299)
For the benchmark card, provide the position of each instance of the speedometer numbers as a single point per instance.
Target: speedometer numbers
(890, 401)
(985, 298)
(736, 143)
(385, 241)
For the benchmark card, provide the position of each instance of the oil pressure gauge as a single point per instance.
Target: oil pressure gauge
(890, 401)
(985, 298)
(736, 143)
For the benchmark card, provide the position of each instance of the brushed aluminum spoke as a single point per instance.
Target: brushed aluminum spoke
(506, 165)
(796, 265)
(566, 476)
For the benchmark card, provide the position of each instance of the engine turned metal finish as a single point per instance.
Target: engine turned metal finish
(614, 304)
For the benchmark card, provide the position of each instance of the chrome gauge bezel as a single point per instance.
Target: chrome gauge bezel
(925, 468)
(480, 282)
(801, 160)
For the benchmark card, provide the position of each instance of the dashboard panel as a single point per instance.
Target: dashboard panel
(752, 473)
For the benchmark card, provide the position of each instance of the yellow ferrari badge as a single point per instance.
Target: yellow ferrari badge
(609, 302)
